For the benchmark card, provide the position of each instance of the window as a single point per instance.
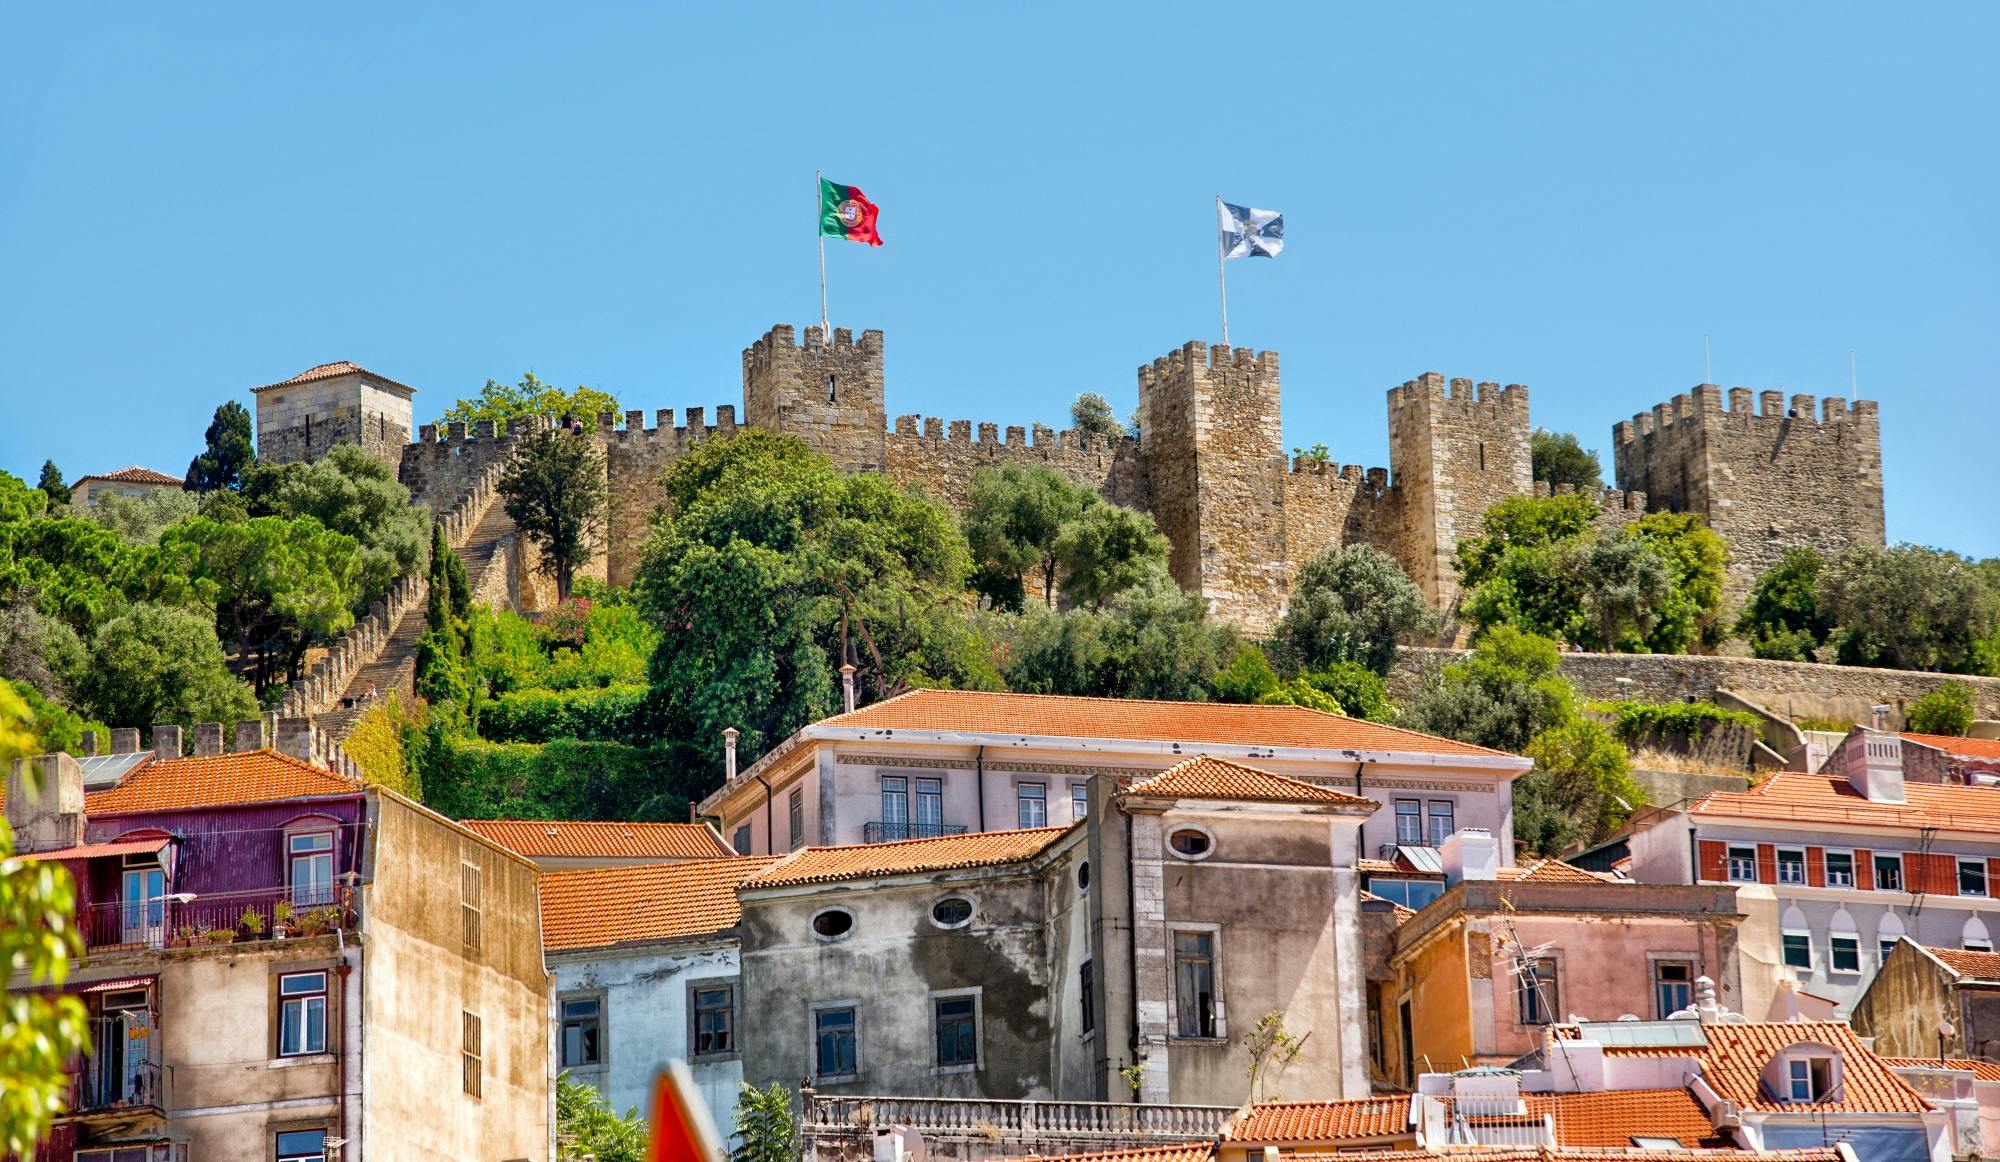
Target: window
(952, 912)
(582, 1032)
(1086, 991)
(144, 915)
(1791, 866)
(1644, 1142)
(301, 1014)
(311, 865)
(468, 906)
(895, 806)
(1410, 822)
(1079, 801)
(833, 923)
(1194, 984)
(1673, 984)
(1976, 945)
(1190, 842)
(1539, 997)
(795, 809)
(835, 1033)
(1440, 820)
(1798, 949)
(1083, 876)
(1886, 946)
(1743, 865)
(1839, 869)
(957, 1021)
(470, 1062)
(1808, 1079)
(714, 1019)
(1409, 893)
(1971, 877)
(930, 808)
(742, 844)
(301, 1145)
(1844, 953)
(1032, 800)
(1888, 873)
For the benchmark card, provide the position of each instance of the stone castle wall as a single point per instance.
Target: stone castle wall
(298, 423)
(1455, 453)
(940, 458)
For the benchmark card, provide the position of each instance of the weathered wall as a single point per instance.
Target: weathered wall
(1329, 505)
(299, 422)
(926, 452)
(830, 394)
(1767, 480)
(1454, 454)
(636, 458)
(1902, 1007)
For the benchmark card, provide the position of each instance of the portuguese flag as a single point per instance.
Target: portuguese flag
(846, 212)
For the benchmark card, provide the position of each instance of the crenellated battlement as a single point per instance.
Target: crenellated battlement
(1333, 470)
(1195, 353)
(1461, 394)
(1745, 408)
(937, 430)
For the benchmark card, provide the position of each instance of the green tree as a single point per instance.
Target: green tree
(1091, 415)
(531, 397)
(82, 573)
(1623, 583)
(1248, 677)
(277, 584)
(1949, 709)
(445, 677)
(52, 485)
(1522, 522)
(1910, 607)
(1349, 604)
(352, 492)
(588, 1127)
(155, 664)
(56, 727)
(1782, 619)
(1106, 550)
(1013, 517)
(39, 651)
(1360, 691)
(18, 502)
(1689, 614)
(41, 1030)
(228, 453)
(1558, 459)
(1501, 695)
(1589, 779)
(554, 489)
(1152, 641)
(139, 520)
(766, 1128)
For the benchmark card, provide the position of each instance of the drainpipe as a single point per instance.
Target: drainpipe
(979, 765)
(847, 685)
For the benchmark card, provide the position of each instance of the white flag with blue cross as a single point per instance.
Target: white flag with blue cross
(1249, 233)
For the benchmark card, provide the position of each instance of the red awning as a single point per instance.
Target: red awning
(94, 850)
(112, 986)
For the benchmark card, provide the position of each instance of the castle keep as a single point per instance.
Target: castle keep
(1210, 465)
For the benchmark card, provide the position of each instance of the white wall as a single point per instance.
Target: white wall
(646, 1023)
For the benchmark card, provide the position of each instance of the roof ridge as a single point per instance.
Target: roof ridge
(964, 836)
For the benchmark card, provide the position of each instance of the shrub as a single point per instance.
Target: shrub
(1949, 709)
(602, 713)
(569, 779)
(377, 745)
(1635, 720)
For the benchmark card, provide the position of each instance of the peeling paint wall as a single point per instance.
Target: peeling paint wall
(645, 1014)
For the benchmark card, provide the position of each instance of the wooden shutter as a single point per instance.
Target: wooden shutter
(1767, 863)
(1816, 867)
(1864, 870)
(1714, 860)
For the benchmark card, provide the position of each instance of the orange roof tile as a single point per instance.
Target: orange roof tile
(1973, 748)
(571, 839)
(1322, 1121)
(1060, 716)
(1981, 1070)
(95, 850)
(1403, 912)
(1577, 1154)
(1613, 1117)
(811, 865)
(1733, 1063)
(1829, 799)
(1545, 871)
(134, 475)
(1203, 777)
(332, 370)
(256, 776)
(638, 903)
(1977, 965)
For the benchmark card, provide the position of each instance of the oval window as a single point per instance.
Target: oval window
(833, 923)
(1083, 876)
(1189, 843)
(951, 912)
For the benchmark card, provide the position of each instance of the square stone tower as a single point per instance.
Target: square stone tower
(1213, 453)
(299, 418)
(1452, 455)
(829, 394)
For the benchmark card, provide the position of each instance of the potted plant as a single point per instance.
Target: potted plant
(186, 934)
(219, 935)
(281, 919)
(252, 922)
(311, 922)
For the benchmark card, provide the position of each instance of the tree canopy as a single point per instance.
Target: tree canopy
(354, 493)
(155, 663)
(502, 402)
(276, 584)
(1091, 415)
(1349, 604)
(227, 454)
(1558, 459)
(51, 483)
(1028, 522)
(1782, 619)
(1910, 607)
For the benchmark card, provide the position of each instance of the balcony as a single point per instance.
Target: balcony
(881, 832)
(1056, 1123)
(215, 918)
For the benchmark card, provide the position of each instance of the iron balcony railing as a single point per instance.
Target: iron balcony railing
(886, 832)
(110, 1079)
(216, 917)
(1016, 1121)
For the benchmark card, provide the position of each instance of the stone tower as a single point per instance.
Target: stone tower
(1214, 458)
(298, 419)
(1768, 478)
(1452, 455)
(829, 395)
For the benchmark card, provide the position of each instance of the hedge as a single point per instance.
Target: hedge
(566, 779)
(605, 714)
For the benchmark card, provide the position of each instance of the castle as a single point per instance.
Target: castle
(1209, 463)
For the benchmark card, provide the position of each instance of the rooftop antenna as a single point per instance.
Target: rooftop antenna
(1707, 375)
(1853, 378)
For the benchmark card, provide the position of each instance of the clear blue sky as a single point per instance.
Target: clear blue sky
(196, 199)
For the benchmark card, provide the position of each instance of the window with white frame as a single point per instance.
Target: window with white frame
(1410, 822)
(1839, 869)
(301, 1146)
(1808, 1079)
(1440, 819)
(1977, 945)
(1971, 877)
(301, 1014)
(1743, 864)
(1887, 945)
(930, 808)
(1673, 987)
(1797, 949)
(895, 806)
(1079, 801)
(1888, 872)
(1844, 953)
(310, 865)
(1031, 801)
(1791, 865)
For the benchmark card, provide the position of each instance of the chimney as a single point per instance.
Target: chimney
(250, 735)
(207, 739)
(1471, 853)
(847, 685)
(167, 741)
(124, 740)
(1875, 768)
(51, 817)
(729, 754)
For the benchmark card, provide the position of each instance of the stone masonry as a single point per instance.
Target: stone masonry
(1209, 463)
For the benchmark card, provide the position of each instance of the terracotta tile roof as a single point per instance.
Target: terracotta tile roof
(1578, 1154)
(1403, 912)
(1322, 1121)
(1203, 777)
(1829, 799)
(1981, 1070)
(1057, 716)
(1977, 965)
(569, 839)
(134, 475)
(332, 371)
(1974, 748)
(257, 776)
(94, 850)
(602, 906)
(1613, 1117)
(1733, 1063)
(1183, 1152)
(1545, 871)
(812, 865)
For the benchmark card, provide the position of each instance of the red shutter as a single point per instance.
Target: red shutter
(1767, 864)
(1993, 877)
(1864, 870)
(1714, 860)
(1816, 867)
(1935, 875)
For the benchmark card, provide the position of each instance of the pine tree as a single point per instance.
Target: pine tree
(52, 483)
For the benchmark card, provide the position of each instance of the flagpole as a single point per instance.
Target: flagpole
(1221, 275)
(825, 333)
